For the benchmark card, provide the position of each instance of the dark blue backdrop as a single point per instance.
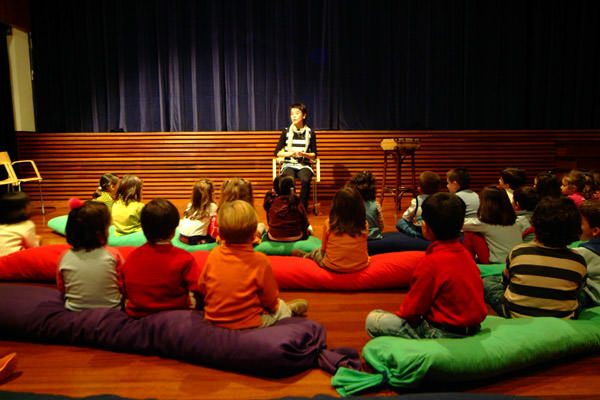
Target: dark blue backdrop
(187, 65)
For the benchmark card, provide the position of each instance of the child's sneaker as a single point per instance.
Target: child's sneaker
(299, 253)
(298, 306)
(8, 364)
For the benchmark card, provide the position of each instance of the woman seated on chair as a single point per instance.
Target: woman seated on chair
(298, 146)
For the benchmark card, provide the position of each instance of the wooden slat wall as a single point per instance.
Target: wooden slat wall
(169, 163)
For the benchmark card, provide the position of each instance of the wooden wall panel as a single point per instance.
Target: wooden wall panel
(169, 163)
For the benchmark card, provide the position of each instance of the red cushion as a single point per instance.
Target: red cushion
(33, 264)
(386, 271)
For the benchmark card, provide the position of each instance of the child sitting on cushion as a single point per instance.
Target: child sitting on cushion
(590, 250)
(542, 278)
(365, 183)
(87, 274)
(458, 182)
(410, 223)
(158, 276)
(237, 283)
(525, 199)
(446, 293)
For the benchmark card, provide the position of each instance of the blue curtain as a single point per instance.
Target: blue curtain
(192, 65)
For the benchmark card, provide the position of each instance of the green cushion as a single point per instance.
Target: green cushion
(58, 224)
(491, 269)
(502, 346)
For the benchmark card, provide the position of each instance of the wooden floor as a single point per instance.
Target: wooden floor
(82, 372)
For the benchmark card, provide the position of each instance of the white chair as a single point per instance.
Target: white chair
(316, 178)
(13, 180)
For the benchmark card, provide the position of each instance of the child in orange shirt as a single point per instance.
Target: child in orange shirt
(344, 243)
(237, 283)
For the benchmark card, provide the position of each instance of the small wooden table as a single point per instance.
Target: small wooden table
(399, 149)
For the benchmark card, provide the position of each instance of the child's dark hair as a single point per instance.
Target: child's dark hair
(495, 207)
(556, 221)
(202, 197)
(159, 219)
(514, 177)
(286, 188)
(130, 189)
(271, 194)
(526, 197)
(106, 181)
(14, 207)
(365, 183)
(429, 182)
(347, 214)
(444, 214)
(299, 106)
(86, 226)
(590, 209)
(461, 175)
(547, 184)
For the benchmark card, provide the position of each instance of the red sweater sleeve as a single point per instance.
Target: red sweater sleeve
(420, 296)
(269, 294)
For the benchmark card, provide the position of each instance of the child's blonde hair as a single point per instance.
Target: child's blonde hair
(130, 189)
(202, 198)
(237, 221)
(236, 189)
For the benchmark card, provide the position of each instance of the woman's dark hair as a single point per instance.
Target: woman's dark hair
(514, 177)
(130, 189)
(299, 106)
(444, 214)
(86, 226)
(286, 188)
(495, 207)
(14, 207)
(347, 214)
(556, 221)
(547, 184)
(106, 181)
(159, 219)
(526, 197)
(365, 183)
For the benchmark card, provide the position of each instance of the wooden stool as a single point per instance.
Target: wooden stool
(399, 149)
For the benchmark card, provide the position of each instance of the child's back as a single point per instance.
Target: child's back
(497, 223)
(287, 217)
(87, 273)
(237, 283)
(158, 276)
(344, 242)
(365, 183)
(429, 183)
(458, 182)
(17, 231)
(127, 208)
(199, 216)
(544, 277)
(446, 293)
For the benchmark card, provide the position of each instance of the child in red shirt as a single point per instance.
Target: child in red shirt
(158, 276)
(237, 283)
(446, 292)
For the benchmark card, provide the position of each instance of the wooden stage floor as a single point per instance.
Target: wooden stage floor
(79, 372)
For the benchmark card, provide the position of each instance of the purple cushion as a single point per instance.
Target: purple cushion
(34, 313)
(394, 242)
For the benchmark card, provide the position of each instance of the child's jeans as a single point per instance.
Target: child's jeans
(283, 311)
(383, 323)
(409, 229)
(493, 293)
